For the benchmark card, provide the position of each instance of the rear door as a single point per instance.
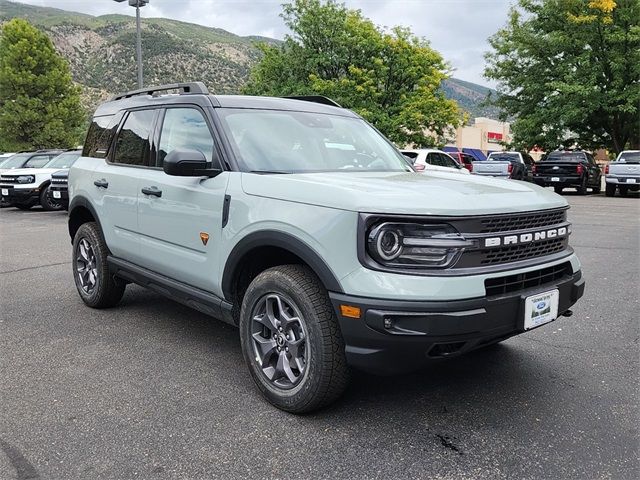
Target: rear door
(115, 183)
(180, 218)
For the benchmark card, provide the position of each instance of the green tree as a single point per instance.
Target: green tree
(39, 104)
(391, 78)
(569, 70)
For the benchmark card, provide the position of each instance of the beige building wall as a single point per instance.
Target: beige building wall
(485, 134)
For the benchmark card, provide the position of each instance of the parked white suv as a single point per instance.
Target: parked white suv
(26, 187)
(427, 159)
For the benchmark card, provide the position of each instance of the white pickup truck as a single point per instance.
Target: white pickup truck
(514, 165)
(623, 174)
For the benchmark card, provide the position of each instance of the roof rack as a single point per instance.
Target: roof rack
(185, 89)
(315, 99)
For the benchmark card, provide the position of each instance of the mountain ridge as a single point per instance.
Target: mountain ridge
(101, 54)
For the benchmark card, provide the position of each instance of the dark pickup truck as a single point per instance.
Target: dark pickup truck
(563, 169)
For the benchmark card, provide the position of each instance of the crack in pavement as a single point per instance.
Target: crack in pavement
(24, 469)
(34, 268)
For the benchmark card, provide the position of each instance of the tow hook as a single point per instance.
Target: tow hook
(568, 313)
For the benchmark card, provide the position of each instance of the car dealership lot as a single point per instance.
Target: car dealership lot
(152, 389)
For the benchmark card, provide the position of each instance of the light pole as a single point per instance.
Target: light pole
(138, 4)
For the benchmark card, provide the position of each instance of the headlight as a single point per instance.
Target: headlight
(415, 245)
(26, 179)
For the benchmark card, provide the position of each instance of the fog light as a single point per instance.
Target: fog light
(387, 323)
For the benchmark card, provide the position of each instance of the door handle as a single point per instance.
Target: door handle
(152, 191)
(102, 183)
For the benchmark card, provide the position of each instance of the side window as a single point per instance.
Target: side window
(132, 144)
(412, 155)
(433, 159)
(447, 161)
(37, 161)
(185, 128)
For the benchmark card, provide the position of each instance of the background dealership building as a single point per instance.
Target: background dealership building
(484, 136)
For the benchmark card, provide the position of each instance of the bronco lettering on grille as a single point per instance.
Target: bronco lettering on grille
(527, 237)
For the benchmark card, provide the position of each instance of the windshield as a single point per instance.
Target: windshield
(275, 141)
(565, 157)
(502, 157)
(16, 161)
(629, 157)
(64, 160)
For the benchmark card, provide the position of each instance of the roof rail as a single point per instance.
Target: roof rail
(315, 99)
(185, 88)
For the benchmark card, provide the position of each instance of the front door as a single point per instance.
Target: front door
(180, 218)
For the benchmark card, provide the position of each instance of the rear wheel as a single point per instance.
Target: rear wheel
(598, 187)
(558, 190)
(610, 189)
(96, 287)
(582, 189)
(47, 201)
(291, 340)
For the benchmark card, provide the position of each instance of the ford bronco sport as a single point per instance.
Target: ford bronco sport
(295, 220)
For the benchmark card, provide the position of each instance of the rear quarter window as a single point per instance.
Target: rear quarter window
(100, 135)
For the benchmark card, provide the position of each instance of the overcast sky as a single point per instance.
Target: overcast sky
(458, 29)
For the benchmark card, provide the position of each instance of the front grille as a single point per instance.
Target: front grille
(59, 181)
(515, 253)
(523, 221)
(8, 179)
(521, 281)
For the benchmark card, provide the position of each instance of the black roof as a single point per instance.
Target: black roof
(191, 93)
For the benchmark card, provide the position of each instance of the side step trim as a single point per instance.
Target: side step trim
(193, 297)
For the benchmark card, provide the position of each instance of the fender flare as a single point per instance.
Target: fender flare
(80, 201)
(274, 238)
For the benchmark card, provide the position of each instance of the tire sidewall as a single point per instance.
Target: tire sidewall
(276, 282)
(89, 232)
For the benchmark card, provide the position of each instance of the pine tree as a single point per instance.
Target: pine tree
(39, 103)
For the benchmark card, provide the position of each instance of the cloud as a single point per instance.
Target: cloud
(458, 29)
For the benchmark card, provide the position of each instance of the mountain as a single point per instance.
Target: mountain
(471, 97)
(101, 53)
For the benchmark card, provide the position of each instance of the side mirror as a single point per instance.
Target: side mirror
(188, 163)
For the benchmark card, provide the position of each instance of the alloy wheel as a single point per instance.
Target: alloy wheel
(86, 267)
(279, 339)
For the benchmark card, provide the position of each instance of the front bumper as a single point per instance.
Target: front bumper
(62, 196)
(558, 181)
(417, 331)
(21, 196)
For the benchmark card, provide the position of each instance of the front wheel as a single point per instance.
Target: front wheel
(291, 340)
(47, 202)
(96, 287)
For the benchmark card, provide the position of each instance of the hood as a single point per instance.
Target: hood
(28, 171)
(432, 193)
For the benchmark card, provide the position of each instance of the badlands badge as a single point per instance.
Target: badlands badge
(204, 236)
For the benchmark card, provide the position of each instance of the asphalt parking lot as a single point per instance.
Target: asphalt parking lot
(152, 389)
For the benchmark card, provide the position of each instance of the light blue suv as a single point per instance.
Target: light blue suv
(297, 221)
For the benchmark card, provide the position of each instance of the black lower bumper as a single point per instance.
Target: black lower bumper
(558, 181)
(20, 196)
(394, 336)
(63, 195)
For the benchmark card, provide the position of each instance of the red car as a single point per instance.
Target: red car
(463, 159)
